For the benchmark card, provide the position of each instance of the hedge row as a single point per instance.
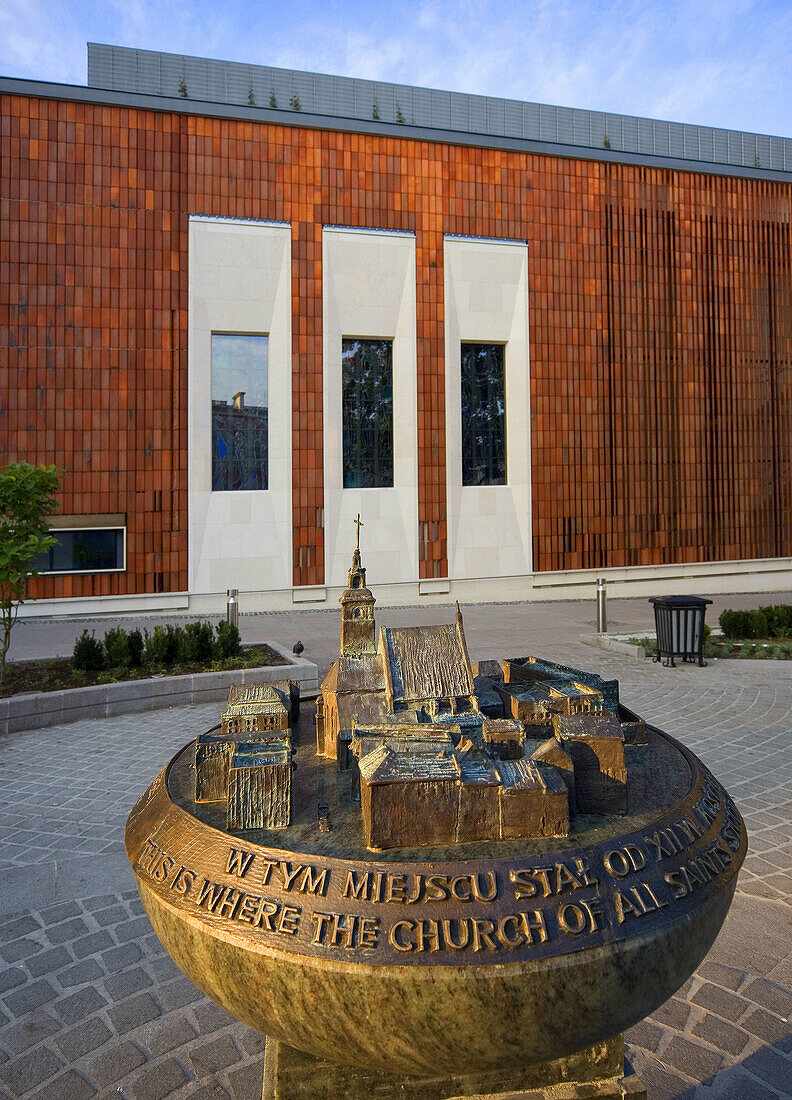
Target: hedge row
(195, 643)
(764, 622)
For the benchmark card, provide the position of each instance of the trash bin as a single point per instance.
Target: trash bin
(679, 621)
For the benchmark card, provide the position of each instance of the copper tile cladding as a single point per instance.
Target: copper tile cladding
(660, 329)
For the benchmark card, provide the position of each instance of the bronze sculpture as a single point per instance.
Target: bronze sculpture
(548, 870)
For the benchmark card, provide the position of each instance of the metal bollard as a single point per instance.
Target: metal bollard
(602, 606)
(232, 607)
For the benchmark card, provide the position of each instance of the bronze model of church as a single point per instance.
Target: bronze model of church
(439, 751)
(248, 764)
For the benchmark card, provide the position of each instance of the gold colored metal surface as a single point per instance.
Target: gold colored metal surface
(393, 964)
(548, 870)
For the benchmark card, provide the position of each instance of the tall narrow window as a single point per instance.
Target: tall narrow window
(483, 415)
(239, 412)
(367, 413)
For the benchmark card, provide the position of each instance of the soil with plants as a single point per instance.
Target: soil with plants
(763, 634)
(137, 655)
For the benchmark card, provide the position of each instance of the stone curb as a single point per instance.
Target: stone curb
(602, 641)
(37, 710)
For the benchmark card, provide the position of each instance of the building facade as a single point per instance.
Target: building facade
(530, 346)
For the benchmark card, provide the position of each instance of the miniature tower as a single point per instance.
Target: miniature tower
(357, 609)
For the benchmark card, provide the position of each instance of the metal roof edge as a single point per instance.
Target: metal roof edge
(41, 89)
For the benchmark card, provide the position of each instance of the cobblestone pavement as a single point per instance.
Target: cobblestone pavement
(90, 1005)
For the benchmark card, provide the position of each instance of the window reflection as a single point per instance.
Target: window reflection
(483, 415)
(367, 413)
(239, 412)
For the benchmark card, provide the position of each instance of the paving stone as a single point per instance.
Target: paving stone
(162, 1036)
(210, 1017)
(54, 958)
(164, 968)
(69, 1086)
(133, 1012)
(85, 1037)
(28, 1032)
(719, 1034)
(767, 1026)
(644, 1034)
(210, 1092)
(17, 927)
(211, 1057)
(114, 915)
(79, 1005)
(661, 1083)
(11, 977)
(116, 1063)
(69, 930)
(101, 901)
(719, 1001)
(54, 914)
(674, 1013)
(28, 1070)
(157, 1081)
(770, 995)
(177, 994)
(253, 1041)
(740, 1085)
(119, 958)
(247, 1081)
(726, 976)
(80, 974)
(32, 996)
(90, 945)
(130, 981)
(132, 929)
(772, 1067)
(692, 1059)
(19, 949)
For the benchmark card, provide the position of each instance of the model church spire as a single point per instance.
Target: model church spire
(357, 608)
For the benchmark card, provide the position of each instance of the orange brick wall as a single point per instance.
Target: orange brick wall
(660, 328)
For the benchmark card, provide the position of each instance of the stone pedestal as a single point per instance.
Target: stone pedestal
(596, 1072)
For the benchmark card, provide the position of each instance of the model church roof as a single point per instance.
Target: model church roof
(427, 662)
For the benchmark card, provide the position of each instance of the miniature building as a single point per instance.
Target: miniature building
(533, 800)
(248, 764)
(259, 786)
(255, 708)
(504, 737)
(437, 751)
(212, 760)
(596, 748)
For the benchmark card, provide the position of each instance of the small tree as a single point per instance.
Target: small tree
(27, 494)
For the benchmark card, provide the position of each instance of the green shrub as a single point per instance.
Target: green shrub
(736, 624)
(228, 643)
(135, 647)
(116, 647)
(746, 650)
(88, 654)
(779, 620)
(196, 644)
(162, 646)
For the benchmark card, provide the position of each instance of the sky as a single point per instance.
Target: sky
(713, 62)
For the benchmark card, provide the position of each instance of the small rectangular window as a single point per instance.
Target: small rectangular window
(84, 551)
(483, 415)
(367, 413)
(239, 412)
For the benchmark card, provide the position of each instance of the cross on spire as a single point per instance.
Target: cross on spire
(358, 523)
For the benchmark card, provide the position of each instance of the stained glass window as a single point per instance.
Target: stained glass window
(239, 412)
(367, 413)
(483, 415)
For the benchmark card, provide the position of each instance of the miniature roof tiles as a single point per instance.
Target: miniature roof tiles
(427, 662)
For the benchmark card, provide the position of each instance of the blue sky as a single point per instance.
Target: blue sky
(715, 62)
